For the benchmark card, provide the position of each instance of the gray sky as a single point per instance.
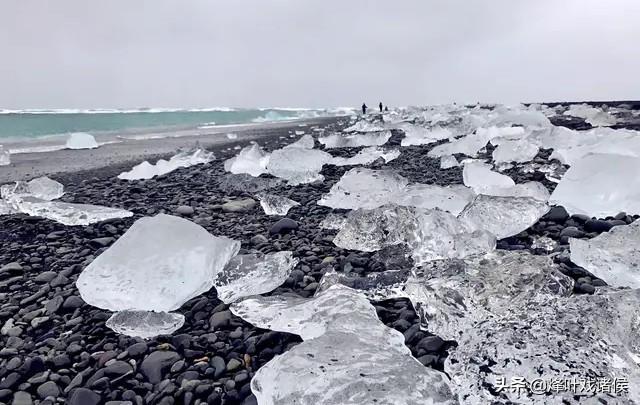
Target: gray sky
(182, 53)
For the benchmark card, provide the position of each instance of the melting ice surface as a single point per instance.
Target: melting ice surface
(81, 140)
(511, 314)
(149, 269)
(355, 140)
(253, 274)
(42, 188)
(416, 135)
(274, 204)
(145, 324)
(366, 156)
(366, 188)
(429, 234)
(298, 165)
(146, 170)
(251, 160)
(613, 256)
(35, 197)
(483, 180)
(348, 356)
(600, 185)
(448, 161)
(503, 216)
(592, 115)
(515, 151)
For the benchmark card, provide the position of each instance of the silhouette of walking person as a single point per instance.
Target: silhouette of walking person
(380, 105)
(364, 108)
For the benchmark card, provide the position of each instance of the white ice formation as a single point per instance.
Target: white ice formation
(600, 185)
(81, 140)
(298, 165)
(348, 356)
(354, 140)
(251, 160)
(146, 170)
(366, 156)
(448, 161)
(149, 269)
(5, 156)
(613, 256)
(273, 204)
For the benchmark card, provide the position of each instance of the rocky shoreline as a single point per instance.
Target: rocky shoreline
(57, 349)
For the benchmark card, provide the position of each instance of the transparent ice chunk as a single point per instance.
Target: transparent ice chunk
(343, 140)
(145, 324)
(146, 170)
(274, 204)
(298, 165)
(81, 140)
(251, 160)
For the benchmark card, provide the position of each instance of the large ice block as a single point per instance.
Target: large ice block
(592, 115)
(157, 265)
(613, 256)
(253, 274)
(515, 151)
(354, 140)
(348, 356)
(416, 135)
(251, 160)
(298, 165)
(452, 198)
(81, 140)
(68, 213)
(42, 188)
(503, 216)
(600, 185)
(364, 188)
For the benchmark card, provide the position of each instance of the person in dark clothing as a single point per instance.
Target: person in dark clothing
(364, 108)
(380, 105)
(386, 109)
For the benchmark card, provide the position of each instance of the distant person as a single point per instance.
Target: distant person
(380, 105)
(386, 109)
(364, 108)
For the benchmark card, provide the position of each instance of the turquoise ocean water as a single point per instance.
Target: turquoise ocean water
(21, 125)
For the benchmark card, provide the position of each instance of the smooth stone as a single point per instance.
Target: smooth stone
(48, 389)
(11, 269)
(83, 396)
(22, 398)
(234, 364)
(585, 288)
(283, 225)
(118, 368)
(431, 343)
(220, 319)
(243, 205)
(154, 364)
(571, 232)
(185, 210)
(259, 239)
(597, 226)
(557, 214)
(72, 302)
(137, 349)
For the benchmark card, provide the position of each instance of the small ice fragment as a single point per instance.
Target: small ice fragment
(232, 136)
(366, 156)
(81, 140)
(145, 324)
(274, 204)
(448, 161)
(253, 274)
(42, 188)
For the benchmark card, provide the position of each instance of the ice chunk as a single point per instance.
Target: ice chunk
(274, 204)
(150, 269)
(457, 296)
(468, 145)
(429, 196)
(429, 234)
(511, 314)
(355, 140)
(544, 244)
(146, 170)
(448, 161)
(515, 151)
(232, 136)
(364, 188)
(81, 140)
(145, 324)
(613, 256)
(348, 356)
(366, 156)
(68, 213)
(600, 185)
(482, 179)
(253, 274)
(503, 216)
(298, 165)
(508, 116)
(592, 115)
(415, 135)
(251, 160)
(42, 188)
(375, 286)
(364, 126)
(5, 156)
(333, 221)
(7, 208)
(305, 142)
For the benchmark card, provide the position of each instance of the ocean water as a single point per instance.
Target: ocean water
(22, 125)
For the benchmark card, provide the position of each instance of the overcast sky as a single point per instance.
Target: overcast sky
(308, 53)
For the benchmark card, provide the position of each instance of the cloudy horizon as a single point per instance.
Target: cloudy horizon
(287, 53)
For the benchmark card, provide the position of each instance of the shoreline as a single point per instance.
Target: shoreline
(133, 151)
